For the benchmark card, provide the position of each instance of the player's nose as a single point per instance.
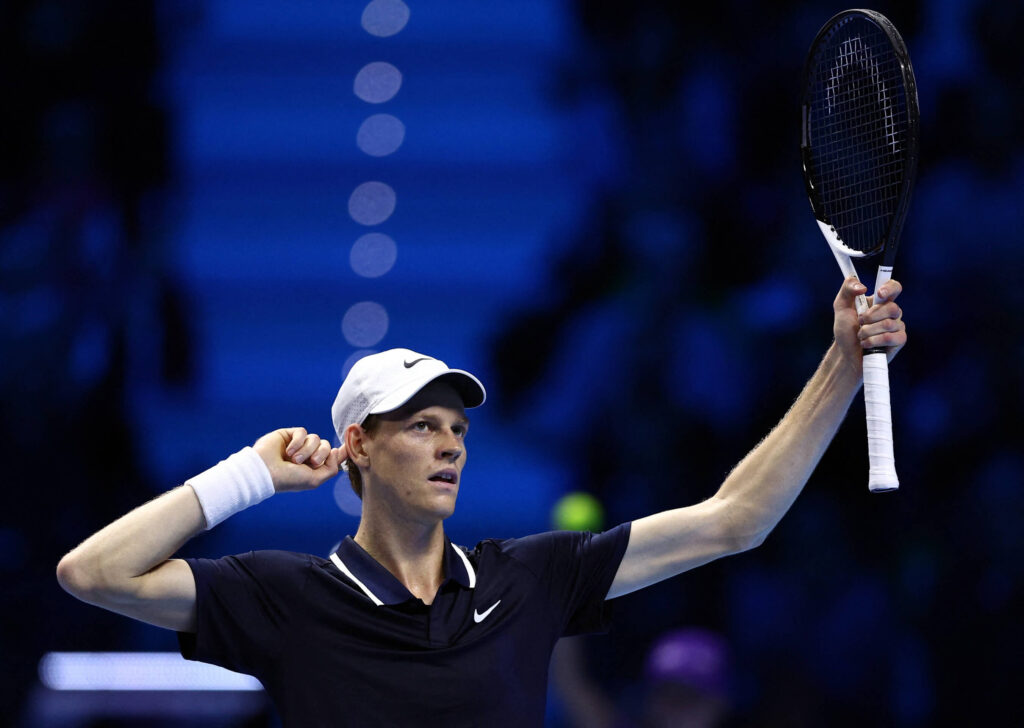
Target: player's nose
(450, 447)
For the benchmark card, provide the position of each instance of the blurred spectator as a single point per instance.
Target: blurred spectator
(686, 682)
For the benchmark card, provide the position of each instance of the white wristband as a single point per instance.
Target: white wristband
(232, 485)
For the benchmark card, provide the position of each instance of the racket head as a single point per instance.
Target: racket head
(859, 142)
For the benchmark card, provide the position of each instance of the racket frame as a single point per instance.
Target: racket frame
(882, 469)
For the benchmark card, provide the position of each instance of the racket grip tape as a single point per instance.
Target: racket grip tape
(881, 461)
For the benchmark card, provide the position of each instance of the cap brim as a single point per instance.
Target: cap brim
(468, 387)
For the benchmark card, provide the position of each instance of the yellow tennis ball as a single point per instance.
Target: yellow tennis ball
(578, 512)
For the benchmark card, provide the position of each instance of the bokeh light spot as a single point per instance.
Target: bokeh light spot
(377, 82)
(385, 17)
(371, 203)
(380, 135)
(346, 499)
(578, 511)
(373, 255)
(365, 324)
(351, 361)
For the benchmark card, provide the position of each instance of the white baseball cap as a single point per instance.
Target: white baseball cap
(384, 382)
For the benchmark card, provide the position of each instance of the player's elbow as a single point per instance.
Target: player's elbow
(742, 531)
(752, 541)
(737, 543)
(72, 577)
(78, 579)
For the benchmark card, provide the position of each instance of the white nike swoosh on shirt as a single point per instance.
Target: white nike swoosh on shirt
(478, 617)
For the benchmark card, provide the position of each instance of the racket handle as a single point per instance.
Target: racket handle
(881, 461)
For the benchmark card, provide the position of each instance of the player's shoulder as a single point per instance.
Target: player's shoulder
(257, 564)
(275, 556)
(503, 558)
(548, 540)
(542, 540)
(539, 550)
(531, 551)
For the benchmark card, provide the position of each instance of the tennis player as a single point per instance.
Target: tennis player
(400, 626)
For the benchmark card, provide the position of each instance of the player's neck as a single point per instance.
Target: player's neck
(413, 553)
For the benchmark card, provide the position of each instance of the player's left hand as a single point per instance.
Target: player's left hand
(880, 325)
(298, 460)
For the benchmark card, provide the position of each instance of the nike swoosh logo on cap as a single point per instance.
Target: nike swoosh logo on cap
(414, 362)
(478, 617)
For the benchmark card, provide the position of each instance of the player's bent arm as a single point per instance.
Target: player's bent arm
(126, 566)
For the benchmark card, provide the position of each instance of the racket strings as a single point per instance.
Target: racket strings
(852, 190)
(862, 130)
(837, 164)
(857, 128)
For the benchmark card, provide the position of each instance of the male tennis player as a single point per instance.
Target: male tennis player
(399, 626)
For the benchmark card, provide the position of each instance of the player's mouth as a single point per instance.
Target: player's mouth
(448, 476)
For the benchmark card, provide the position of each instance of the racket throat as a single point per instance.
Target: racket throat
(844, 257)
(842, 253)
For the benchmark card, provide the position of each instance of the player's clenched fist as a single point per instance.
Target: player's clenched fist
(298, 460)
(880, 325)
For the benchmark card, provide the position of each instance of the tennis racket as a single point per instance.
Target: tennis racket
(859, 149)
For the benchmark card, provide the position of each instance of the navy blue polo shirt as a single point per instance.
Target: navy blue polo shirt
(341, 641)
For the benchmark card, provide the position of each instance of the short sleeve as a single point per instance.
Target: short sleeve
(576, 569)
(244, 605)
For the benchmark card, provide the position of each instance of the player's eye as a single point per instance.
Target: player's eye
(460, 430)
(421, 426)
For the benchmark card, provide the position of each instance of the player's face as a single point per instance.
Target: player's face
(416, 456)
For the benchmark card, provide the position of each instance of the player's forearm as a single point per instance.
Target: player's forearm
(105, 564)
(763, 486)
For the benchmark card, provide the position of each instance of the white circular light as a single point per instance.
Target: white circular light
(371, 203)
(351, 361)
(385, 17)
(377, 82)
(365, 324)
(373, 255)
(380, 135)
(346, 498)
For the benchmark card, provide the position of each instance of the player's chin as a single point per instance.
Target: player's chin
(442, 512)
(442, 503)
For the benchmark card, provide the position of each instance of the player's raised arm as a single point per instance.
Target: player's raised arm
(761, 488)
(127, 567)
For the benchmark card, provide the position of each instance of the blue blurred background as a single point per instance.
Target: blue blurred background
(210, 209)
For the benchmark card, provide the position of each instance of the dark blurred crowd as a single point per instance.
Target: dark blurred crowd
(88, 309)
(687, 297)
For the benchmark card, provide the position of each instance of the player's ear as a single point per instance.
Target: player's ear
(355, 444)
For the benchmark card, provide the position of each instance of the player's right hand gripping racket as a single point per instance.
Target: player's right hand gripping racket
(859, 149)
